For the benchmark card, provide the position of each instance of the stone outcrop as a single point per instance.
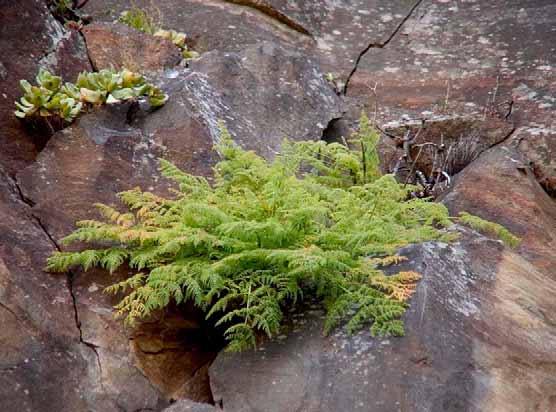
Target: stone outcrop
(480, 332)
(485, 58)
(30, 37)
(135, 50)
(481, 326)
(479, 336)
(188, 406)
(117, 147)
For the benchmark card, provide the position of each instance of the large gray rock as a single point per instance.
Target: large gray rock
(41, 352)
(334, 32)
(265, 93)
(135, 50)
(470, 58)
(480, 336)
(480, 331)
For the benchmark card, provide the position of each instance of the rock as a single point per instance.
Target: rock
(464, 139)
(264, 94)
(480, 330)
(41, 352)
(500, 59)
(537, 142)
(118, 45)
(479, 336)
(209, 25)
(29, 38)
(188, 406)
(116, 148)
(333, 32)
(83, 155)
(501, 187)
(174, 353)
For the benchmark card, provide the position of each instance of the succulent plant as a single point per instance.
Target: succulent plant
(139, 19)
(108, 86)
(177, 38)
(48, 98)
(190, 54)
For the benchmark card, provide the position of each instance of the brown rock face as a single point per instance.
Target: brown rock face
(117, 45)
(470, 58)
(334, 32)
(116, 148)
(41, 352)
(188, 406)
(500, 186)
(29, 38)
(463, 138)
(481, 328)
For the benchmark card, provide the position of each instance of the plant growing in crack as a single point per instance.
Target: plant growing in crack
(318, 221)
(141, 20)
(60, 103)
(67, 11)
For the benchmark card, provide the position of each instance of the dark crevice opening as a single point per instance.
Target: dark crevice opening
(337, 131)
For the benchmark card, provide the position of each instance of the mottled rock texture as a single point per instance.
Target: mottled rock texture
(30, 37)
(470, 57)
(480, 330)
(135, 50)
(188, 406)
(480, 336)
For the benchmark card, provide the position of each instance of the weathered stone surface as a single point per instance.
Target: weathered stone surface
(479, 336)
(210, 25)
(94, 160)
(465, 58)
(500, 186)
(538, 143)
(264, 94)
(30, 37)
(334, 32)
(464, 139)
(116, 148)
(117, 45)
(41, 353)
(188, 406)
(481, 327)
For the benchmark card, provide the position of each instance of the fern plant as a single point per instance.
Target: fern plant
(319, 220)
(52, 98)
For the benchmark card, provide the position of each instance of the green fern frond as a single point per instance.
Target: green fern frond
(318, 221)
(491, 228)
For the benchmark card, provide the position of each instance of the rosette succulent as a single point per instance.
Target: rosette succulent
(47, 98)
(52, 98)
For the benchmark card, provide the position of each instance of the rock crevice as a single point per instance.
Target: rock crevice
(272, 12)
(380, 45)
